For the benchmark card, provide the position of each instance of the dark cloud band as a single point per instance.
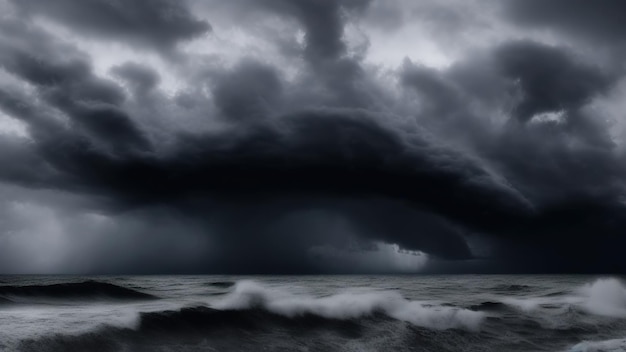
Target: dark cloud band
(500, 146)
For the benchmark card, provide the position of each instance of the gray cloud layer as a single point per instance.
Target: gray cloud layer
(159, 24)
(500, 161)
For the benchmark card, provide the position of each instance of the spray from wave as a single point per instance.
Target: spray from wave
(604, 297)
(615, 345)
(350, 305)
(382, 313)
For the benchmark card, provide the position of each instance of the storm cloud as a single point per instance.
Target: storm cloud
(157, 24)
(598, 20)
(265, 137)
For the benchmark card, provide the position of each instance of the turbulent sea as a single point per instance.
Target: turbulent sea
(312, 313)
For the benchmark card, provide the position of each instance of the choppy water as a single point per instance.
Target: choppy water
(312, 313)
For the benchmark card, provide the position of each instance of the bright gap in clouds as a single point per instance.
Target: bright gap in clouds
(12, 126)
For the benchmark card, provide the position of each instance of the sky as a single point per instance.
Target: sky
(312, 136)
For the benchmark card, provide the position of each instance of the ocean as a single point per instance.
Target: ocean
(313, 313)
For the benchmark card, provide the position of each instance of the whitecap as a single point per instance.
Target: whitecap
(616, 345)
(350, 305)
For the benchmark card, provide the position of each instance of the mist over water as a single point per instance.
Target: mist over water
(313, 313)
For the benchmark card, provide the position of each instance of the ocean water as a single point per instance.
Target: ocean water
(313, 313)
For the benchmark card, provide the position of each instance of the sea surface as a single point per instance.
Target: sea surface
(312, 313)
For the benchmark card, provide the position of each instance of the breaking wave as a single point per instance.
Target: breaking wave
(615, 345)
(221, 330)
(606, 297)
(350, 305)
(77, 290)
(603, 297)
(249, 314)
(190, 328)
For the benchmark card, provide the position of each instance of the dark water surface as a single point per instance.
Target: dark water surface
(312, 313)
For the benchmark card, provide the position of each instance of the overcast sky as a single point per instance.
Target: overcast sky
(312, 136)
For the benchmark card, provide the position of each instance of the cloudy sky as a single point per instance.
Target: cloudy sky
(312, 136)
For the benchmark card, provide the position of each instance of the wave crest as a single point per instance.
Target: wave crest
(617, 345)
(76, 290)
(349, 305)
(606, 297)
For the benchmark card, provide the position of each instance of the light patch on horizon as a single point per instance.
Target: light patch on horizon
(384, 257)
(34, 238)
(37, 238)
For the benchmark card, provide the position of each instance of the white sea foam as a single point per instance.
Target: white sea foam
(526, 304)
(604, 297)
(616, 345)
(350, 305)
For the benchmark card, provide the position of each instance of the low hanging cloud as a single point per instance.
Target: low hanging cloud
(498, 160)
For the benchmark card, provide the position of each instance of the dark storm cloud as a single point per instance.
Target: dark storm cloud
(345, 152)
(501, 146)
(320, 153)
(107, 123)
(158, 24)
(141, 78)
(603, 20)
(322, 21)
(335, 72)
(543, 89)
(249, 91)
(68, 84)
(568, 167)
(325, 153)
(550, 79)
(30, 171)
(440, 97)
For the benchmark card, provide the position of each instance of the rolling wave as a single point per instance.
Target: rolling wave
(249, 314)
(350, 305)
(203, 328)
(603, 297)
(221, 284)
(77, 290)
(189, 328)
(615, 345)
